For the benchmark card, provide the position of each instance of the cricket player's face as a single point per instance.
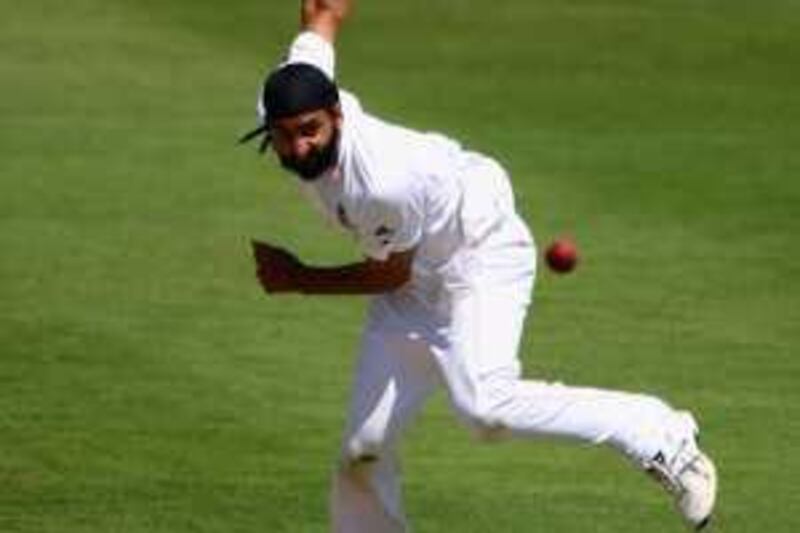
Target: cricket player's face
(307, 144)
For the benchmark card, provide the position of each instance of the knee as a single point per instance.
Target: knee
(485, 412)
(488, 430)
(362, 449)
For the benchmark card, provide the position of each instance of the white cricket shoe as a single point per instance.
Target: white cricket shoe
(687, 473)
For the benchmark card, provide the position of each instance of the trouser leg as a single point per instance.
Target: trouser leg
(482, 372)
(394, 376)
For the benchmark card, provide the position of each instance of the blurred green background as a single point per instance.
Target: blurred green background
(146, 385)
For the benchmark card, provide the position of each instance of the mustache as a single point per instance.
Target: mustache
(315, 163)
(308, 168)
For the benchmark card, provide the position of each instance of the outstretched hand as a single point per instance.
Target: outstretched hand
(276, 268)
(338, 8)
(324, 16)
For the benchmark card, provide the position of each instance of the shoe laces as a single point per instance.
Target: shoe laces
(668, 472)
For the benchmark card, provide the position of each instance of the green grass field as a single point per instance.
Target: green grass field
(146, 385)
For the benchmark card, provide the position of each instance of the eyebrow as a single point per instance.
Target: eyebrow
(308, 121)
(303, 122)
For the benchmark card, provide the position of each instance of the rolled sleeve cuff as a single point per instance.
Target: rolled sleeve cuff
(309, 47)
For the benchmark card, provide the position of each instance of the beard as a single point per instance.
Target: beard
(316, 162)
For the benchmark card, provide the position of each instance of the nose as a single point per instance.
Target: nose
(301, 148)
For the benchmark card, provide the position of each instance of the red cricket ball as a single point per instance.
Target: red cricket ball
(561, 255)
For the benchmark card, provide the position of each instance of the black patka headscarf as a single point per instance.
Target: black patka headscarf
(292, 89)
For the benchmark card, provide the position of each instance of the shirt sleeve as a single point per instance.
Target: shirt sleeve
(309, 47)
(386, 227)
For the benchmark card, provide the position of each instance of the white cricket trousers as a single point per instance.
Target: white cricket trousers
(408, 351)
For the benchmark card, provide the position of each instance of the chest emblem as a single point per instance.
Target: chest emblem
(384, 234)
(383, 231)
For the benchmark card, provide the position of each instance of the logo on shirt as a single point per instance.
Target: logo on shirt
(384, 234)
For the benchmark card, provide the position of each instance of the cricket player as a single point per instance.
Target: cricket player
(450, 268)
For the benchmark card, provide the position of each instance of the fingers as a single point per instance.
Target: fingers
(324, 15)
(274, 281)
(274, 267)
(259, 246)
(264, 253)
(270, 278)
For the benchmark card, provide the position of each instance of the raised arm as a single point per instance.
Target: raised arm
(324, 17)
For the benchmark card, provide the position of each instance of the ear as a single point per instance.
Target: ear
(336, 114)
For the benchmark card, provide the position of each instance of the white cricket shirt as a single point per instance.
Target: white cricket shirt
(396, 189)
